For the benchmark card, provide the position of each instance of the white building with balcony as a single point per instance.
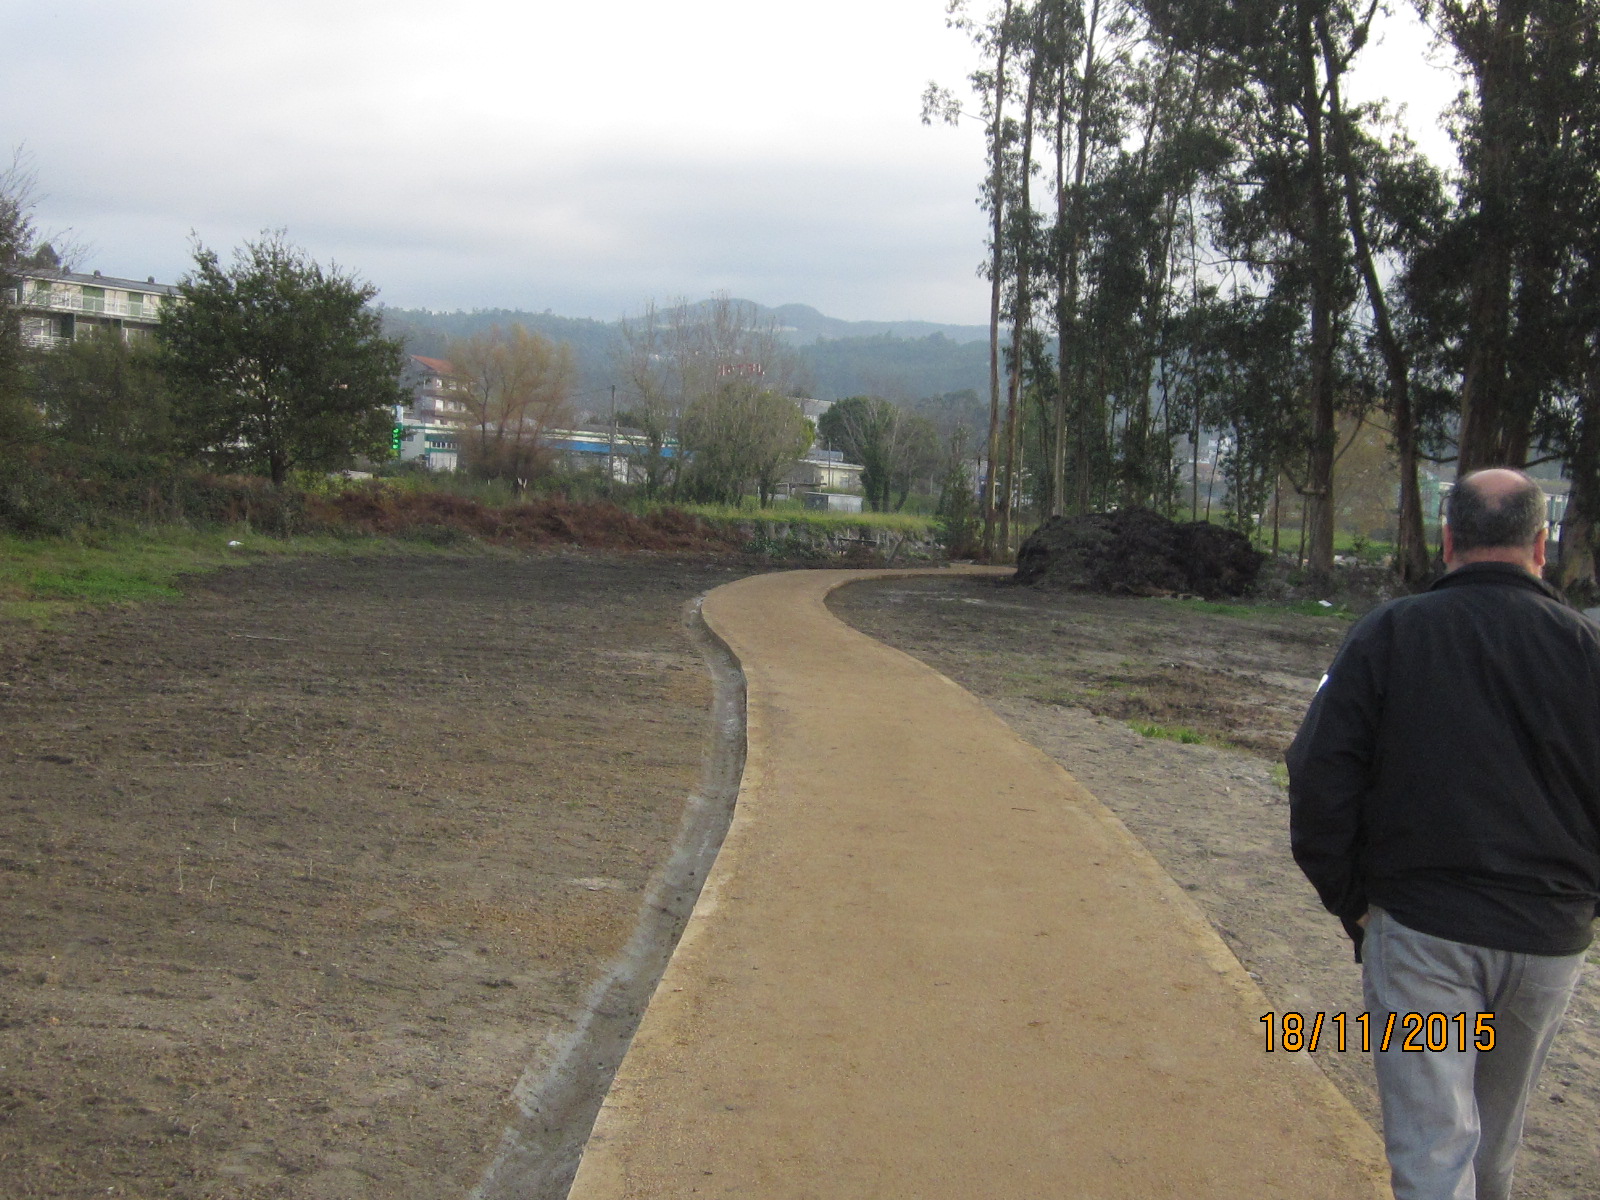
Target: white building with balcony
(429, 426)
(56, 307)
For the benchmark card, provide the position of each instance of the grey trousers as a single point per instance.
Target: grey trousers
(1452, 1118)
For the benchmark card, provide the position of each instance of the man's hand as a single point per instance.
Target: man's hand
(1363, 919)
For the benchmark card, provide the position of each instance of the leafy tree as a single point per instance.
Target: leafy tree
(892, 445)
(104, 391)
(16, 239)
(739, 433)
(514, 386)
(957, 511)
(1247, 359)
(676, 357)
(278, 364)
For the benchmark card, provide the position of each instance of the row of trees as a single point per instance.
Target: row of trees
(711, 390)
(270, 364)
(274, 364)
(710, 387)
(1193, 229)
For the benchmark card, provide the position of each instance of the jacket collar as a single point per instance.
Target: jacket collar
(1494, 573)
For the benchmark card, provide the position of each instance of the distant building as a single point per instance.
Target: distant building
(429, 423)
(57, 307)
(620, 453)
(831, 502)
(432, 384)
(821, 469)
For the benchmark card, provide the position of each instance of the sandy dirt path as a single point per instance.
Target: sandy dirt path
(1075, 673)
(928, 963)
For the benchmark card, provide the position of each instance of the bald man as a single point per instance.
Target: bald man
(1445, 802)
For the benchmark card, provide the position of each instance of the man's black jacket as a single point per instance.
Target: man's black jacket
(1448, 770)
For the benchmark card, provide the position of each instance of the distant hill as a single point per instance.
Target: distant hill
(806, 325)
(902, 360)
(897, 368)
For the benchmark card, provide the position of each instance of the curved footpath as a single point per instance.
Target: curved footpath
(927, 963)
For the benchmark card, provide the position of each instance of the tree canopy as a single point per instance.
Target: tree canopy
(514, 386)
(16, 240)
(893, 445)
(277, 363)
(739, 433)
(1195, 235)
(684, 357)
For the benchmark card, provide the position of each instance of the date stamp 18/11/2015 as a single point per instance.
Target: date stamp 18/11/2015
(1414, 1032)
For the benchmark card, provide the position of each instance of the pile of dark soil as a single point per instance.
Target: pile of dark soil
(1136, 552)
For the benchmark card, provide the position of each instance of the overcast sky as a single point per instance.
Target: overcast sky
(530, 154)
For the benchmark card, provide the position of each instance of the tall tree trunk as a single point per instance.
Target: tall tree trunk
(1411, 548)
(1324, 252)
(1062, 399)
(1582, 520)
(1483, 386)
(1068, 271)
(997, 188)
(1022, 221)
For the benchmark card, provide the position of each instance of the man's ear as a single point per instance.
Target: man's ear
(1449, 547)
(1540, 547)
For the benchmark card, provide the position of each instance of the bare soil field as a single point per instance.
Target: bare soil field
(1074, 673)
(298, 873)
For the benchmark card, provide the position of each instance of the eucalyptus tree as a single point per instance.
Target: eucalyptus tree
(1086, 49)
(1394, 207)
(995, 36)
(1250, 356)
(1504, 284)
(1519, 121)
(1280, 218)
(1571, 424)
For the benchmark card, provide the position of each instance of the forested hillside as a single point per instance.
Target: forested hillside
(902, 360)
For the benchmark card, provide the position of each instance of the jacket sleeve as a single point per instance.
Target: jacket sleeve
(1331, 766)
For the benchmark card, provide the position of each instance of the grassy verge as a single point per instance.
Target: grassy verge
(794, 513)
(42, 579)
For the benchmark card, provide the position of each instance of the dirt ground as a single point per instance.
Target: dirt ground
(298, 873)
(1073, 673)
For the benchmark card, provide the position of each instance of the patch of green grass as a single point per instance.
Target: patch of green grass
(792, 513)
(42, 579)
(1280, 775)
(98, 585)
(1176, 733)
